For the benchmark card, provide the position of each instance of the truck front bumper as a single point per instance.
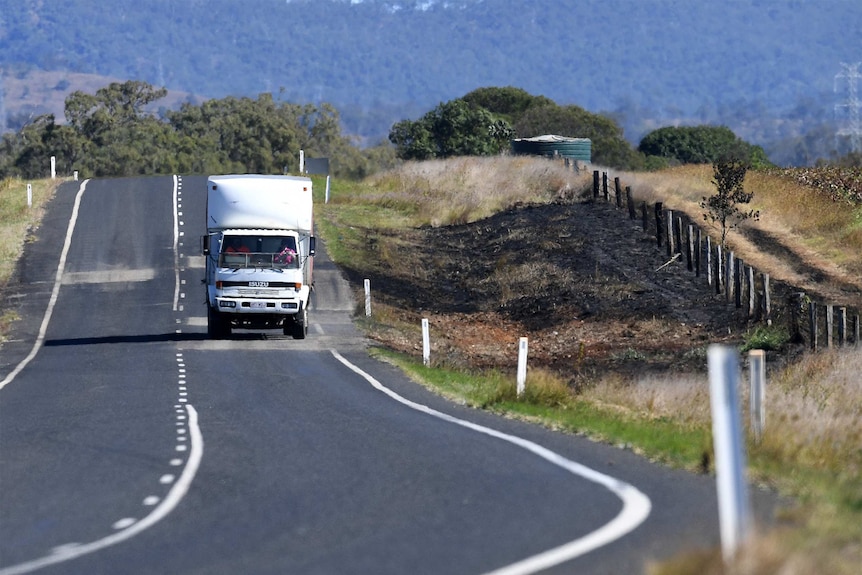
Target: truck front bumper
(233, 305)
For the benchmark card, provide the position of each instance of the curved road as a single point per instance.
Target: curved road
(129, 443)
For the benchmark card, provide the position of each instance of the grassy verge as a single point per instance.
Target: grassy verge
(810, 450)
(18, 221)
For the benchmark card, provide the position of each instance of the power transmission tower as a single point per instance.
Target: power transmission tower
(853, 127)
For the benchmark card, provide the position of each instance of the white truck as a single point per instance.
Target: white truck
(259, 252)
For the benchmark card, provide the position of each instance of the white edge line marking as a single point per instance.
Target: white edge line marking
(636, 505)
(176, 251)
(171, 500)
(55, 293)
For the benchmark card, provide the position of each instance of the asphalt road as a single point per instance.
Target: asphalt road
(130, 443)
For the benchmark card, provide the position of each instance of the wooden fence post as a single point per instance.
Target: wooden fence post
(842, 326)
(689, 250)
(752, 291)
(630, 203)
(709, 277)
(812, 324)
(856, 331)
(738, 266)
(719, 268)
(619, 192)
(728, 277)
(605, 185)
(698, 251)
(767, 299)
(830, 318)
(595, 184)
(670, 246)
(677, 235)
(658, 223)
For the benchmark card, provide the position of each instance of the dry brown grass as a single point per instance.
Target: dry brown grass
(821, 233)
(813, 433)
(814, 412)
(462, 190)
(17, 220)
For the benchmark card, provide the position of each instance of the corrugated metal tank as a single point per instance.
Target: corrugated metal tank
(574, 148)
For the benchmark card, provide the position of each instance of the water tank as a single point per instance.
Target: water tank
(549, 145)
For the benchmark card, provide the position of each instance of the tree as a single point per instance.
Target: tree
(723, 208)
(508, 103)
(699, 145)
(454, 128)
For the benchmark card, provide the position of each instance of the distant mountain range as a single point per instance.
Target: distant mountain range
(771, 70)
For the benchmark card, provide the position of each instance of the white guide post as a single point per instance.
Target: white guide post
(53, 167)
(75, 175)
(326, 201)
(522, 365)
(426, 343)
(367, 298)
(734, 508)
(302, 161)
(757, 377)
(29, 195)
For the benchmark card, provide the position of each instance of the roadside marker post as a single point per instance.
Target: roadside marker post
(426, 343)
(326, 200)
(734, 508)
(367, 298)
(522, 365)
(757, 377)
(53, 167)
(29, 195)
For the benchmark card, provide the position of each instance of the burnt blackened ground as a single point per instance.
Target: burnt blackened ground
(585, 283)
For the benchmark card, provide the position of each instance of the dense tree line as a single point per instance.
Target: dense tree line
(114, 133)
(484, 121)
(699, 145)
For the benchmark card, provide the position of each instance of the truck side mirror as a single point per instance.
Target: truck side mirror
(205, 245)
(312, 245)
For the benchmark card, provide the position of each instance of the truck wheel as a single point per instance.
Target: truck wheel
(300, 323)
(217, 326)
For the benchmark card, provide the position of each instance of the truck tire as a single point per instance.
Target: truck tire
(217, 326)
(300, 323)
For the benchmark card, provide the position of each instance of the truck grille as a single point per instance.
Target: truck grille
(258, 292)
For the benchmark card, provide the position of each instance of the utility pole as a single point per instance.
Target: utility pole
(853, 127)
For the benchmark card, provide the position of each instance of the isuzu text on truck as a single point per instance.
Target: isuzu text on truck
(259, 248)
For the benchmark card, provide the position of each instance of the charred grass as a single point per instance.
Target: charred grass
(493, 249)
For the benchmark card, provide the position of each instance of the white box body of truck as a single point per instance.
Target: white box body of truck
(259, 252)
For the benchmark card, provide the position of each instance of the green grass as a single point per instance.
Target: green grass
(767, 338)
(548, 401)
(810, 450)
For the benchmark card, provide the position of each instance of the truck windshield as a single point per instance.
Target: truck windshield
(259, 252)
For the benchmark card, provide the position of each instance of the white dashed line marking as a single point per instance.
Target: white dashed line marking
(124, 523)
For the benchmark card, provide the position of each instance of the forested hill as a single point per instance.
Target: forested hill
(765, 68)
